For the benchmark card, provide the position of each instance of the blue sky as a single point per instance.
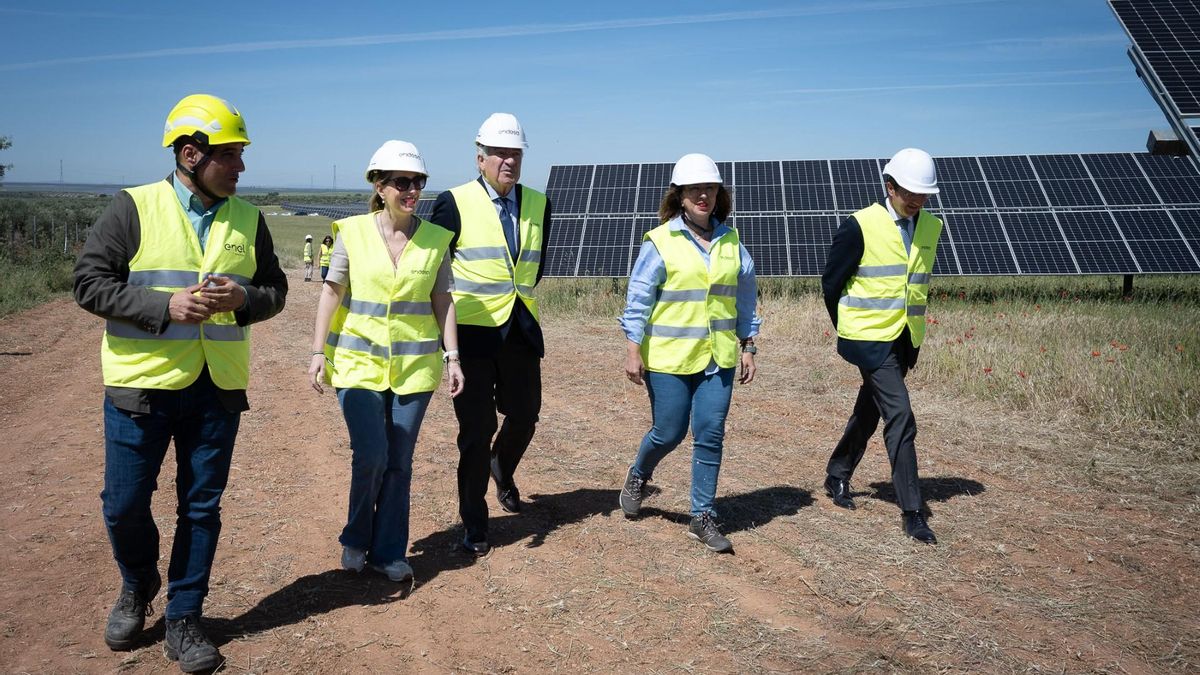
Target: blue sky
(325, 84)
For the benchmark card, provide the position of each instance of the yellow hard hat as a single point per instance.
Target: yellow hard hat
(207, 118)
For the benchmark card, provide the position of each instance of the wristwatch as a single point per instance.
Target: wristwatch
(748, 347)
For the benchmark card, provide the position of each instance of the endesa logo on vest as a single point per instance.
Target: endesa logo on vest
(239, 249)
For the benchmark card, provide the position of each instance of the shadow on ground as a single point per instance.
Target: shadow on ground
(746, 510)
(936, 489)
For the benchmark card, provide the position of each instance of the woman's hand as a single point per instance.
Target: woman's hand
(634, 368)
(316, 372)
(748, 368)
(454, 374)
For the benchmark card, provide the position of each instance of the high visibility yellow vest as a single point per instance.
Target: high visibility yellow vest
(384, 334)
(889, 290)
(486, 281)
(169, 259)
(326, 251)
(308, 251)
(694, 320)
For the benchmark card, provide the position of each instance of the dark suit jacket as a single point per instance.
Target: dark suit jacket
(845, 253)
(102, 288)
(485, 341)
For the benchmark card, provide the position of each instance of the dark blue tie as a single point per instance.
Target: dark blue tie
(510, 230)
(905, 233)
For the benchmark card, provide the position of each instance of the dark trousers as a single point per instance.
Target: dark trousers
(882, 394)
(135, 446)
(512, 384)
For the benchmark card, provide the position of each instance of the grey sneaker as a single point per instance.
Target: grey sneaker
(353, 559)
(128, 615)
(186, 643)
(397, 570)
(704, 530)
(632, 493)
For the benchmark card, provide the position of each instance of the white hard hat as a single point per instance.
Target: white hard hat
(695, 168)
(501, 130)
(308, 237)
(397, 156)
(913, 170)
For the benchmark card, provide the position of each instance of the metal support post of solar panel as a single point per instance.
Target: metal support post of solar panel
(1166, 52)
(1073, 214)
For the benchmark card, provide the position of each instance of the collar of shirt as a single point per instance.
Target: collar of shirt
(896, 216)
(191, 203)
(510, 201)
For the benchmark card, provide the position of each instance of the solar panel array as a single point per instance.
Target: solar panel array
(1166, 51)
(1118, 213)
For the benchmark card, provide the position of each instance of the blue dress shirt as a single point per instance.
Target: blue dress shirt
(200, 217)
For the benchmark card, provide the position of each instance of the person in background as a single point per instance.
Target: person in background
(179, 269)
(384, 307)
(876, 283)
(308, 257)
(499, 227)
(326, 249)
(689, 321)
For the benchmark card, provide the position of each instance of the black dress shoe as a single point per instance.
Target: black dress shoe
(510, 499)
(476, 548)
(839, 491)
(917, 527)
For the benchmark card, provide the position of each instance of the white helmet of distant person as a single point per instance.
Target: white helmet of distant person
(397, 156)
(694, 169)
(913, 170)
(308, 237)
(501, 130)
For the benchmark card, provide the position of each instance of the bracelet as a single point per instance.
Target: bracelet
(450, 355)
(321, 353)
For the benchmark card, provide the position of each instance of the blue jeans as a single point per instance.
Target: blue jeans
(673, 399)
(134, 448)
(383, 431)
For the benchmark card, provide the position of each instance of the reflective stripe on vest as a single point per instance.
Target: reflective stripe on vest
(693, 320)
(168, 259)
(487, 283)
(890, 287)
(384, 334)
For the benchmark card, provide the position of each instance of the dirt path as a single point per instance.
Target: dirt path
(1051, 556)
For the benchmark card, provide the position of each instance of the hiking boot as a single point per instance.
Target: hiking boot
(353, 559)
(704, 530)
(128, 615)
(632, 493)
(187, 644)
(397, 570)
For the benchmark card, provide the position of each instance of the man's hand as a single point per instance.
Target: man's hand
(226, 294)
(187, 307)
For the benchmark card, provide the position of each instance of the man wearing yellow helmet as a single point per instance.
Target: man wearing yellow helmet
(179, 269)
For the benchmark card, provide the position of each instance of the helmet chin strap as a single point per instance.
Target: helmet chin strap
(193, 173)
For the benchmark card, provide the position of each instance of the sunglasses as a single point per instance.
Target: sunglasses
(404, 183)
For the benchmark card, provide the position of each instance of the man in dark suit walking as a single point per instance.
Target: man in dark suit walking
(875, 283)
(499, 227)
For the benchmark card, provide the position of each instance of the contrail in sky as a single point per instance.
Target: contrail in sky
(500, 31)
